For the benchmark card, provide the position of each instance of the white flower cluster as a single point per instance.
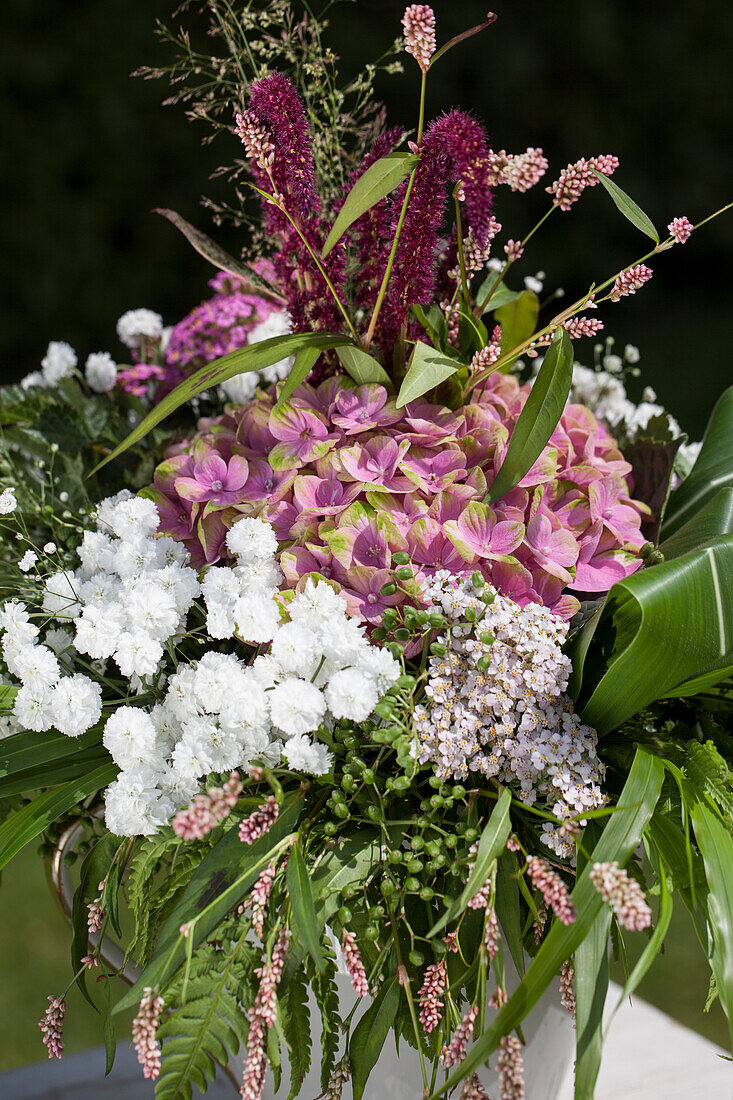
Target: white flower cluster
(512, 719)
(132, 590)
(58, 362)
(100, 370)
(138, 325)
(48, 698)
(243, 387)
(8, 501)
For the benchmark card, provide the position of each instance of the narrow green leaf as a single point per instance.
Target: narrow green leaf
(628, 207)
(712, 471)
(714, 518)
(301, 900)
(374, 185)
(518, 319)
(370, 1033)
(75, 766)
(243, 361)
(716, 847)
(507, 908)
(427, 369)
(110, 1045)
(492, 843)
(216, 255)
(591, 989)
(305, 360)
(576, 648)
(539, 417)
(21, 751)
(500, 297)
(619, 839)
(461, 38)
(362, 367)
(28, 823)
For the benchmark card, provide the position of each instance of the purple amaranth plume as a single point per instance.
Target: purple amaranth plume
(276, 111)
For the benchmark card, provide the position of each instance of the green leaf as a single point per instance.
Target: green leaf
(370, 1033)
(362, 367)
(461, 38)
(220, 881)
(427, 369)
(432, 320)
(301, 899)
(712, 471)
(618, 841)
(28, 823)
(518, 319)
(501, 296)
(507, 907)
(74, 766)
(591, 989)
(296, 1027)
(492, 843)
(243, 361)
(108, 1028)
(374, 185)
(305, 360)
(631, 662)
(94, 868)
(576, 648)
(539, 417)
(21, 751)
(216, 255)
(716, 847)
(714, 518)
(7, 698)
(628, 207)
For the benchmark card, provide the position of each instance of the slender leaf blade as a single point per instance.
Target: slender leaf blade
(716, 847)
(301, 901)
(427, 369)
(458, 38)
(628, 207)
(216, 255)
(539, 417)
(714, 518)
(363, 367)
(375, 184)
(305, 360)
(370, 1033)
(712, 471)
(591, 989)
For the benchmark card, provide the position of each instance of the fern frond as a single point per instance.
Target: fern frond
(707, 769)
(326, 994)
(295, 1017)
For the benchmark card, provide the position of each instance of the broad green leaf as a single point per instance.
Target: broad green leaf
(305, 360)
(619, 839)
(370, 1033)
(665, 631)
(458, 38)
(27, 750)
(301, 900)
(539, 417)
(507, 908)
(518, 319)
(220, 882)
(712, 471)
(362, 367)
(716, 847)
(591, 989)
(714, 518)
(628, 207)
(427, 369)
(432, 320)
(243, 361)
(492, 843)
(500, 297)
(26, 824)
(7, 695)
(74, 766)
(576, 648)
(374, 185)
(94, 868)
(216, 255)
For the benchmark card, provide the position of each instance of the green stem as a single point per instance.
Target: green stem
(502, 274)
(421, 117)
(390, 264)
(461, 255)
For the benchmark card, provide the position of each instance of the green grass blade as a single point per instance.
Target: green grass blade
(591, 989)
(716, 847)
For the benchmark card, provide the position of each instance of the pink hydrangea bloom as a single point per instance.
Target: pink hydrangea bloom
(347, 480)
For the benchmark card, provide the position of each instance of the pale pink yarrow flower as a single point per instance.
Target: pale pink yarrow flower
(623, 894)
(207, 810)
(574, 179)
(680, 228)
(353, 962)
(255, 139)
(431, 996)
(144, 1027)
(259, 822)
(456, 1050)
(553, 889)
(52, 1027)
(510, 1069)
(513, 250)
(419, 25)
(629, 281)
(567, 986)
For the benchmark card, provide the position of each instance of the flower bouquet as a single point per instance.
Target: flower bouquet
(352, 627)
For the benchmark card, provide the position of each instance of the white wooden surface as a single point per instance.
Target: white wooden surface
(648, 1056)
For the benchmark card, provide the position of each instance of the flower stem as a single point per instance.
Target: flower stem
(502, 274)
(390, 264)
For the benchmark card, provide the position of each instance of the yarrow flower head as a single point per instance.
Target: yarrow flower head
(419, 26)
(623, 894)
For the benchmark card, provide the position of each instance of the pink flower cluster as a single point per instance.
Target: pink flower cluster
(354, 964)
(348, 480)
(52, 1027)
(431, 996)
(207, 810)
(456, 1049)
(144, 1028)
(553, 889)
(574, 179)
(623, 894)
(262, 1015)
(259, 822)
(419, 26)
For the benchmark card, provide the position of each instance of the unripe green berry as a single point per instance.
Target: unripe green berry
(417, 843)
(404, 573)
(395, 856)
(414, 866)
(427, 893)
(483, 663)
(401, 558)
(437, 649)
(459, 791)
(389, 617)
(402, 634)
(341, 811)
(330, 828)
(412, 885)
(374, 813)
(388, 887)
(345, 915)
(388, 589)
(368, 775)
(371, 932)
(416, 958)
(477, 580)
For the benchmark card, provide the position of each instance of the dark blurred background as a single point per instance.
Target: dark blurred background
(88, 152)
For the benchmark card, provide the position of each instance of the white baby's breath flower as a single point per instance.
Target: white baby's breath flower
(138, 325)
(27, 562)
(58, 362)
(252, 539)
(350, 694)
(8, 502)
(101, 372)
(304, 755)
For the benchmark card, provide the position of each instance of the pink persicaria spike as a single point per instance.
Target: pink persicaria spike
(52, 1027)
(144, 1027)
(431, 997)
(582, 326)
(524, 170)
(680, 228)
(472, 1089)
(262, 1015)
(339, 1076)
(567, 986)
(419, 27)
(255, 139)
(629, 281)
(259, 822)
(491, 933)
(574, 179)
(261, 895)
(552, 888)
(96, 913)
(354, 965)
(513, 250)
(510, 1069)
(451, 942)
(207, 810)
(485, 357)
(623, 894)
(455, 1052)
